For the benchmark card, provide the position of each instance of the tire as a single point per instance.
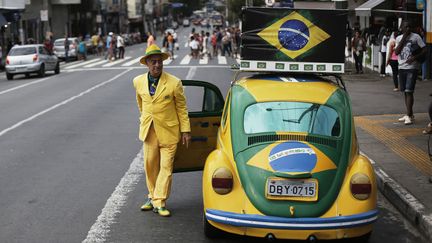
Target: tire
(210, 231)
(27, 75)
(57, 68)
(9, 76)
(42, 71)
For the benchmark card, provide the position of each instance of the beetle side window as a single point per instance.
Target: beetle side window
(212, 101)
(291, 117)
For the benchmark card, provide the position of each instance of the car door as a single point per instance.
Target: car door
(205, 103)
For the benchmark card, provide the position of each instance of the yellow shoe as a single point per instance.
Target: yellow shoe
(162, 211)
(147, 205)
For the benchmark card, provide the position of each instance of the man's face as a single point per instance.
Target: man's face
(406, 28)
(155, 65)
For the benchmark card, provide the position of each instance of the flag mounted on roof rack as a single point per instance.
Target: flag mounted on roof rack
(293, 40)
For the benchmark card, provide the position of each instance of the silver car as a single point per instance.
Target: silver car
(27, 59)
(59, 48)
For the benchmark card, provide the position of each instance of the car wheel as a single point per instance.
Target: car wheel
(57, 68)
(210, 231)
(27, 75)
(9, 76)
(42, 71)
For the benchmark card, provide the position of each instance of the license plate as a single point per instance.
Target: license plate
(284, 189)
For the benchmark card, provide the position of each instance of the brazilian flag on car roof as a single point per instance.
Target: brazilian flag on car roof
(301, 35)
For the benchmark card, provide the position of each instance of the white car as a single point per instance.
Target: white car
(27, 59)
(59, 49)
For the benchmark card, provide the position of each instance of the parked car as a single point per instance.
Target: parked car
(186, 22)
(27, 59)
(285, 162)
(59, 49)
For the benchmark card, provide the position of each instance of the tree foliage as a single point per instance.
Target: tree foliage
(235, 7)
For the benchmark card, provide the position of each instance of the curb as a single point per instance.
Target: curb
(413, 210)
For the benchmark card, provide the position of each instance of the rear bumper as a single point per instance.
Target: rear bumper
(272, 222)
(27, 68)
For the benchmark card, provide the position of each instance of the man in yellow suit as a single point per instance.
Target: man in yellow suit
(163, 122)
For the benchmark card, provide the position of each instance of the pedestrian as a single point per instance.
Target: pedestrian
(164, 122)
(66, 48)
(358, 44)
(150, 39)
(383, 51)
(214, 44)
(194, 45)
(392, 59)
(82, 52)
(48, 45)
(170, 45)
(100, 46)
(206, 45)
(108, 45)
(120, 46)
(409, 48)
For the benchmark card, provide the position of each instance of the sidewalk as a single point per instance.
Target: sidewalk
(400, 152)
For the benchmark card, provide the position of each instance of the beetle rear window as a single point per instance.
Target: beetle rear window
(22, 51)
(291, 117)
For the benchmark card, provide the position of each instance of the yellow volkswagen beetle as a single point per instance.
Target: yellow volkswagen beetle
(286, 163)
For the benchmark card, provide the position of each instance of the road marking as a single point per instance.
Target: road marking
(3, 132)
(222, 59)
(191, 73)
(24, 85)
(115, 62)
(82, 63)
(169, 60)
(394, 141)
(204, 60)
(101, 228)
(134, 61)
(96, 63)
(186, 59)
(186, 44)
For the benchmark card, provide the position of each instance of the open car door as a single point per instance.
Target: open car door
(205, 104)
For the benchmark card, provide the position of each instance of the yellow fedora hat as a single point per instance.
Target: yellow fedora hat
(153, 50)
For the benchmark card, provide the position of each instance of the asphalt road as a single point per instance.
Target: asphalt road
(70, 167)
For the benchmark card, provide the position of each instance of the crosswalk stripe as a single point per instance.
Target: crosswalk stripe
(238, 60)
(118, 61)
(134, 61)
(185, 60)
(82, 63)
(169, 60)
(96, 63)
(204, 60)
(222, 59)
(186, 44)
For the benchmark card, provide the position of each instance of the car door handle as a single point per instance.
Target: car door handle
(199, 139)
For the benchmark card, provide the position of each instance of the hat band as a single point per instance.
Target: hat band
(153, 52)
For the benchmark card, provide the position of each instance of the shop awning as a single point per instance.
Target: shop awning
(366, 8)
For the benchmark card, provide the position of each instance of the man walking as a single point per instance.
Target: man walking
(409, 48)
(163, 122)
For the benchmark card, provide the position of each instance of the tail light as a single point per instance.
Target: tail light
(360, 186)
(7, 60)
(35, 58)
(222, 181)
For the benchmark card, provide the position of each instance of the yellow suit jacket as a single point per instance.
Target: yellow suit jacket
(166, 109)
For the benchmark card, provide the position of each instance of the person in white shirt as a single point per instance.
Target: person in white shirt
(409, 48)
(194, 45)
(121, 46)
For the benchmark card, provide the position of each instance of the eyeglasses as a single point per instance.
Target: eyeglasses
(155, 61)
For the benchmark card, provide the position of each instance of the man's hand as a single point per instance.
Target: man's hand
(186, 137)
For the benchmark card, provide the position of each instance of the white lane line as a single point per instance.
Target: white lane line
(204, 60)
(169, 60)
(24, 85)
(82, 63)
(185, 60)
(3, 132)
(191, 73)
(101, 228)
(96, 63)
(134, 61)
(115, 62)
(222, 59)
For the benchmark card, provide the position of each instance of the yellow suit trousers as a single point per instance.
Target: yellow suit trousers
(158, 165)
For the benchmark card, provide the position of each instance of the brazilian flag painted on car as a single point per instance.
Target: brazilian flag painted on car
(293, 39)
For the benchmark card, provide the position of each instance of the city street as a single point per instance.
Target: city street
(71, 164)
